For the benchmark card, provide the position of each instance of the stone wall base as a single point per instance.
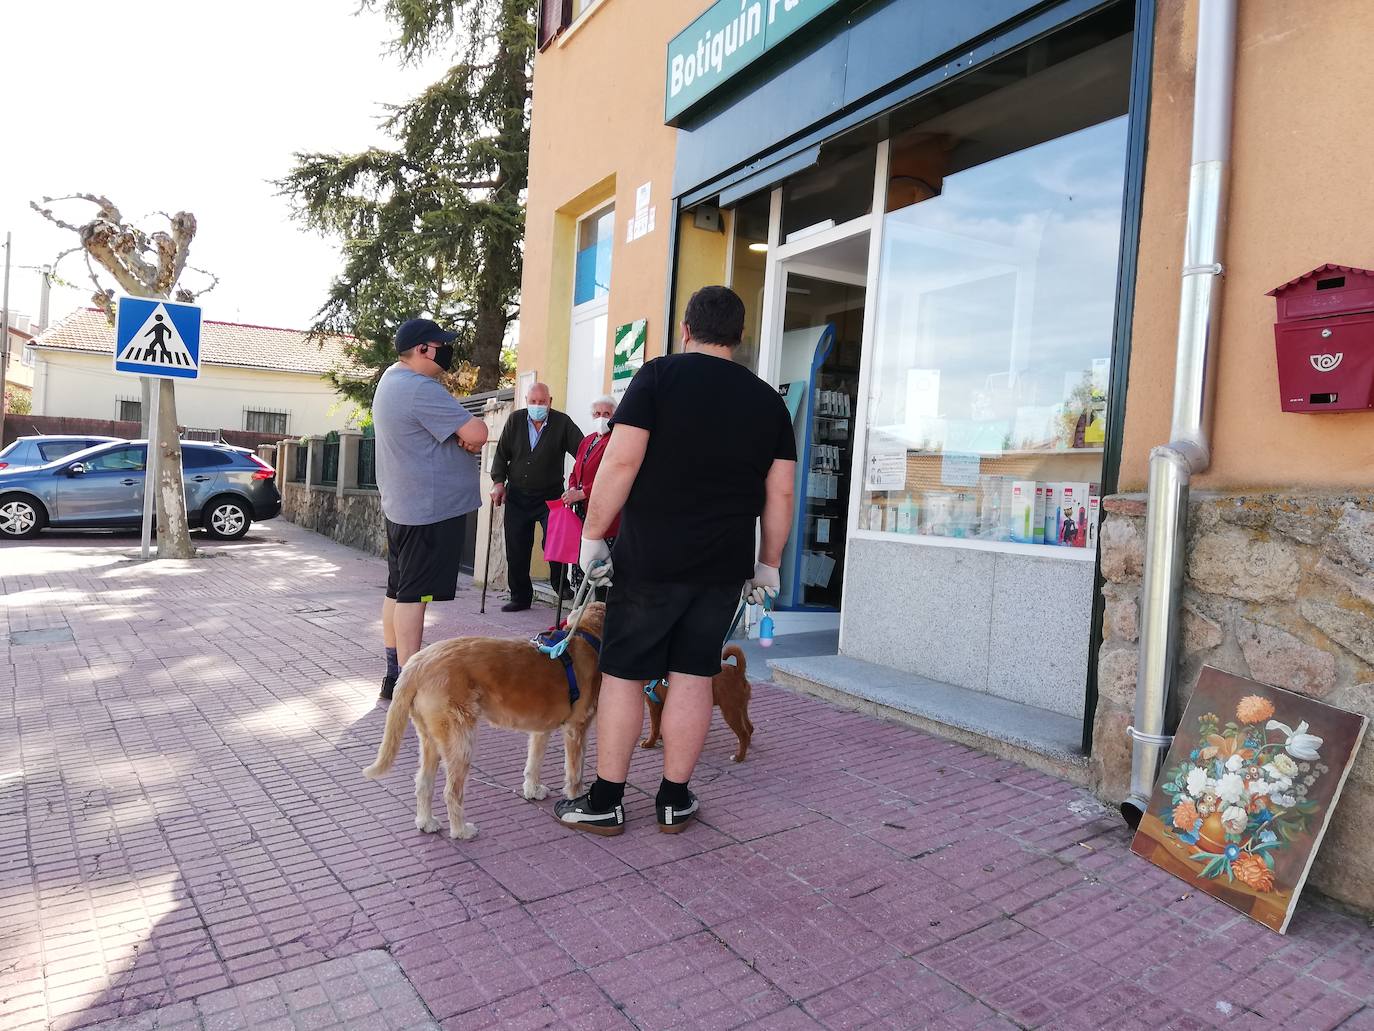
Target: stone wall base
(354, 519)
(1278, 588)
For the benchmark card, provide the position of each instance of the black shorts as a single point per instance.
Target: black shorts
(656, 629)
(422, 561)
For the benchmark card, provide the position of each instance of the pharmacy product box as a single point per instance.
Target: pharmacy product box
(1021, 512)
(1073, 532)
(1054, 514)
(1094, 516)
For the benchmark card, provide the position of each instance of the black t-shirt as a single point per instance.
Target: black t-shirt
(715, 429)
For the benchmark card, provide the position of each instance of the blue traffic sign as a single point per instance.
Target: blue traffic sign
(157, 338)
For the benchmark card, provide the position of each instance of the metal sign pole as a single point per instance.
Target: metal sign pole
(150, 463)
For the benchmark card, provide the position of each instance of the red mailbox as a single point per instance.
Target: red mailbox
(1325, 340)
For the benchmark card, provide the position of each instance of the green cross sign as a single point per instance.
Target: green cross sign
(630, 341)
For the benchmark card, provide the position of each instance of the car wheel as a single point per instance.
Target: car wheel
(226, 519)
(21, 516)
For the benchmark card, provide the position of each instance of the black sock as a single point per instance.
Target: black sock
(606, 794)
(670, 792)
(393, 668)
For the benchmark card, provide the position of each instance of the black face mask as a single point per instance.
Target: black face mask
(442, 356)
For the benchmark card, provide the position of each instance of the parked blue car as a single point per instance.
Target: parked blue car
(27, 452)
(227, 490)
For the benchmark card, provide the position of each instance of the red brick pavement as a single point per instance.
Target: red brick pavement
(186, 841)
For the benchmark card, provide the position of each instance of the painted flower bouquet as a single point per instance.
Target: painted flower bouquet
(1242, 796)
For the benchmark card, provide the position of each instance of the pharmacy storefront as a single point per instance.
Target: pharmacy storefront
(930, 211)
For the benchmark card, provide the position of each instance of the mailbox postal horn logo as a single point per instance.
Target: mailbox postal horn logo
(1326, 362)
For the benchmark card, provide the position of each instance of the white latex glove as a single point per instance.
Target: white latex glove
(763, 585)
(595, 561)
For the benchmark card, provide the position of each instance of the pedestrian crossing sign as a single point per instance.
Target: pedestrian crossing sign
(157, 338)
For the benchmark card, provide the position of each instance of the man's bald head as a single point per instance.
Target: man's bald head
(539, 395)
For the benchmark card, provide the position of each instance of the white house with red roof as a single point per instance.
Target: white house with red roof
(257, 378)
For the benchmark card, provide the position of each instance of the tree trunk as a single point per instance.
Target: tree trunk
(173, 528)
(489, 332)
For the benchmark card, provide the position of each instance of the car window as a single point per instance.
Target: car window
(202, 457)
(55, 449)
(121, 459)
(10, 448)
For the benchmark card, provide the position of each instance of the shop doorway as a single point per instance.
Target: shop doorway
(818, 339)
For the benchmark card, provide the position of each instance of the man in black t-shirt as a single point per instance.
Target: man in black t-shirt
(702, 450)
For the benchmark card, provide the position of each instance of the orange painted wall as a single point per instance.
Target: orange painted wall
(598, 132)
(1301, 194)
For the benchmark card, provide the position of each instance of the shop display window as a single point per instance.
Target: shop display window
(994, 309)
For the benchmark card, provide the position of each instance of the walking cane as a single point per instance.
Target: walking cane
(486, 575)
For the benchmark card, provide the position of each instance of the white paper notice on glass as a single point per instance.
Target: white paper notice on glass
(959, 469)
(822, 531)
(885, 470)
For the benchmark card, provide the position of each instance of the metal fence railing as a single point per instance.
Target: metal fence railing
(302, 464)
(329, 463)
(367, 462)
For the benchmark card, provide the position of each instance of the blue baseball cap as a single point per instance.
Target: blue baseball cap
(414, 332)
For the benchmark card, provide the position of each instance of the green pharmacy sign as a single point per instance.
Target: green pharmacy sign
(630, 341)
(729, 37)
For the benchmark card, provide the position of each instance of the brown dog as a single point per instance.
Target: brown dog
(447, 687)
(729, 690)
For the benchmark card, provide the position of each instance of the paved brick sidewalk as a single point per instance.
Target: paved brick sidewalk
(186, 842)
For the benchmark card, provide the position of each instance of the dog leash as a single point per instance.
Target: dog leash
(651, 688)
(556, 651)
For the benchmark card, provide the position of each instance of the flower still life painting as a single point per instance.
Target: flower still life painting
(1246, 792)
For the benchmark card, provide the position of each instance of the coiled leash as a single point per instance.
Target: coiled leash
(554, 641)
(556, 650)
(651, 688)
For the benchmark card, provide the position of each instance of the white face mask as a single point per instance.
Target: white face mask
(602, 424)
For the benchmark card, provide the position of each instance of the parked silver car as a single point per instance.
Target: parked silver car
(227, 489)
(29, 452)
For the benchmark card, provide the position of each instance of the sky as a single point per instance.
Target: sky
(169, 105)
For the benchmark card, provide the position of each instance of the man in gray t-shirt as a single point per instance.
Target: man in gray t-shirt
(429, 477)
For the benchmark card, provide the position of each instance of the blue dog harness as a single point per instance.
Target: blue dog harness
(554, 643)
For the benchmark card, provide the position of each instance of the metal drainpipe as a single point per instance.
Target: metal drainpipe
(1189, 449)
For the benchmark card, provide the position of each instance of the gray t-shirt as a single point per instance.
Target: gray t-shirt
(423, 474)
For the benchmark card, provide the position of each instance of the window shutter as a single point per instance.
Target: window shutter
(554, 17)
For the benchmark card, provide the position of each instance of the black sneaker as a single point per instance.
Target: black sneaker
(675, 819)
(388, 686)
(578, 814)
(515, 606)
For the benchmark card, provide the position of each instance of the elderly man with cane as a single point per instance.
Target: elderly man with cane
(527, 473)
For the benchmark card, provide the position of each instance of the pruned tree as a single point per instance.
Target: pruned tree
(432, 225)
(142, 264)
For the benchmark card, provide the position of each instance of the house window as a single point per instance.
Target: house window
(260, 421)
(595, 235)
(129, 409)
(554, 17)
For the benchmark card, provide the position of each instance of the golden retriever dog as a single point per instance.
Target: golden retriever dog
(447, 687)
(729, 689)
